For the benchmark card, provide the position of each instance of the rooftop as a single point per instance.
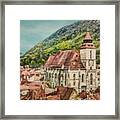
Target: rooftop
(69, 59)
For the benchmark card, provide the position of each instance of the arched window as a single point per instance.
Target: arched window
(74, 76)
(53, 85)
(49, 75)
(46, 74)
(79, 74)
(74, 83)
(52, 75)
(98, 73)
(91, 78)
(62, 75)
(65, 82)
(82, 77)
(68, 75)
(90, 54)
(65, 76)
(55, 75)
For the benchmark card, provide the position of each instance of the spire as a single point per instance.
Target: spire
(88, 36)
(87, 42)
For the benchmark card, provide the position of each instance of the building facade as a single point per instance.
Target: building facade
(74, 69)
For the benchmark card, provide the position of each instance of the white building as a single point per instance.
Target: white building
(76, 69)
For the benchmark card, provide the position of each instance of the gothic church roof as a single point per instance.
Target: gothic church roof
(69, 59)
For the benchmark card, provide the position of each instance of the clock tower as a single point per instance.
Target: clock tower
(88, 53)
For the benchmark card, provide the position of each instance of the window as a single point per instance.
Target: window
(79, 84)
(65, 76)
(98, 73)
(65, 82)
(79, 74)
(91, 78)
(53, 85)
(52, 75)
(74, 83)
(90, 54)
(84, 64)
(46, 74)
(62, 75)
(74, 76)
(68, 75)
(82, 77)
(49, 75)
(55, 75)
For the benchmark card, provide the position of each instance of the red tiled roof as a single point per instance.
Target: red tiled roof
(25, 73)
(53, 97)
(68, 59)
(64, 92)
(30, 85)
(26, 87)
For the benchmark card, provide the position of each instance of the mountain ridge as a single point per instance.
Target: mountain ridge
(67, 37)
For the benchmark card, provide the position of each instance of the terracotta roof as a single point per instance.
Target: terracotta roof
(53, 97)
(32, 71)
(64, 92)
(67, 59)
(25, 73)
(49, 90)
(30, 85)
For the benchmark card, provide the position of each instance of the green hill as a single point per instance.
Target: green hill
(68, 37)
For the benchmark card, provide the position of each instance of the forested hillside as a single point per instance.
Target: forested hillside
(68, 37)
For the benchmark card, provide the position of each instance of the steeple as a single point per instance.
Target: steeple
(88, 52)
(88, 38)
(87, 42)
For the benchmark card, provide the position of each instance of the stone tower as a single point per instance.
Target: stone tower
(88, 52)
(88, 58)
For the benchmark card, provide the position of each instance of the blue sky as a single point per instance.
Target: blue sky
(34, 31)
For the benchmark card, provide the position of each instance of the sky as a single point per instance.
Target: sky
(34, 31)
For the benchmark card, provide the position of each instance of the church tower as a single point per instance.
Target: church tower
(88, 58)
(88, 53)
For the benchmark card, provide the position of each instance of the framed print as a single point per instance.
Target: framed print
(60, 60)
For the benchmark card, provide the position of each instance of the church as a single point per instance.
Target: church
(74, 69)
